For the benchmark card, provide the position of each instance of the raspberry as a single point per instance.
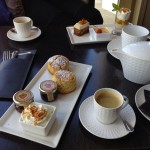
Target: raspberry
(99, 31)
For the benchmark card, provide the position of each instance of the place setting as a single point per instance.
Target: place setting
(23, 30)
(107, 114)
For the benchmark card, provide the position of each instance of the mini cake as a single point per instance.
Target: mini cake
(66, 81)
(58, 62)
(81, 27)
(38, 118)
(36, 115)
(101, 30)
(102, 33)
(48, 90)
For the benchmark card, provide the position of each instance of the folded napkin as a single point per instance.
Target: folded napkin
(13, 73)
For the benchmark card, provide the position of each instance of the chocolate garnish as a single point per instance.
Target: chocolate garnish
(145, 107)
(147, 96)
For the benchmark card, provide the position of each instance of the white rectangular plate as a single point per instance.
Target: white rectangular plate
(64, 104)
(88, 37)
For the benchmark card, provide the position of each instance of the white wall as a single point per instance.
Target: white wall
(107, 4)
(98, 1)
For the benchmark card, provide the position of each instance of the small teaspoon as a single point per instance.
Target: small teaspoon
(127, 125)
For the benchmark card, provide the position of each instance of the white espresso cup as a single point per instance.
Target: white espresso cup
(133, 33)
(108, 103)
(23, 26)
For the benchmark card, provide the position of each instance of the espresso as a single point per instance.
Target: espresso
(108, 100)
(21, 21)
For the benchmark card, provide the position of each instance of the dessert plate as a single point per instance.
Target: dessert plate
(64, 104)
(140, 99)
(88, 37)
(114, 44)
(14, 36)
(111, 131)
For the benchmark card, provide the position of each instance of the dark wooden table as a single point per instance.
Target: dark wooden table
(106, 72)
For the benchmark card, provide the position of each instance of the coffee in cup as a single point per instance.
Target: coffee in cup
(107, 104)
(23, 26)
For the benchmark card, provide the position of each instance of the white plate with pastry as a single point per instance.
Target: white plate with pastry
(64, 104)
(90, 36)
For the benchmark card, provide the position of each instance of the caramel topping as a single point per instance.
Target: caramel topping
(83, 21)
(38, 113)
(125, 10)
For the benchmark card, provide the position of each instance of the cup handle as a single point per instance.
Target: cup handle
(126, 102)
(148, 38)
(31, 23)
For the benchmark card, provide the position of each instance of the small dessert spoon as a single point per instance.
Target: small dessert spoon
(127, 125)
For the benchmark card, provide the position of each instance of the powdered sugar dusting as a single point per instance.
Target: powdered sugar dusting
(65, 75)
(58, 62)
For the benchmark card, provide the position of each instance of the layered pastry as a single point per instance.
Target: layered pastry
(81, 27)
(36, 115)
(58, 62)
(66, 81)
(122, 18)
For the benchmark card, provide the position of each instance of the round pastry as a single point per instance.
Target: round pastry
(58, 62)
(66, 81)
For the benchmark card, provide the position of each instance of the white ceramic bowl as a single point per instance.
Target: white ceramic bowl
(132, 34)
(98, 36)
(135, 60)
(37, 129)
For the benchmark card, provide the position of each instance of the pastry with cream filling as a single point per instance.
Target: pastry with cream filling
(81, 27)
(58, 62)
(66, 81)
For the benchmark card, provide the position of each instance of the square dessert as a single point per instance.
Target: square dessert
(38, 118)
(81, 27)
(102, 32)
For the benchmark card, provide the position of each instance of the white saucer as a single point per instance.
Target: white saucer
(14, 36)
(114, 44)
(140, 99)
(112, 131)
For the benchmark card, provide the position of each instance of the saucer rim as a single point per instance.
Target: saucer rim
(137, 99)
(82, 122)
(117, 42)
(38, 33)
